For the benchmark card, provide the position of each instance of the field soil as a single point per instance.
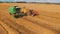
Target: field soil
(47, 22)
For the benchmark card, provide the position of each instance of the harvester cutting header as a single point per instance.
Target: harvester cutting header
(19, 12)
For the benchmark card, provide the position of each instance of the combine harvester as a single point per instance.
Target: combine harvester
(20, 12)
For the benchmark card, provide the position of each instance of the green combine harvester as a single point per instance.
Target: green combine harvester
(15, 11)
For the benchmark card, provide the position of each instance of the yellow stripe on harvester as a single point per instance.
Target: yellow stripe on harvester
(24, 10)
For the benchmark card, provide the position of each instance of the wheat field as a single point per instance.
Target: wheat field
(47, 22)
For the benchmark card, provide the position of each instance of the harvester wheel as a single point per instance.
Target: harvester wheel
(16, 16)
(10, 13)
(25, 14)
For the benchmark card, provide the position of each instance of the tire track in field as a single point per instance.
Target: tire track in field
(5, 26)
(4, 29)
(10, 25)
(42, 24)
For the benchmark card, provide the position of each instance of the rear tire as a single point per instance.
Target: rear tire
(10, 13)
(16, 16)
